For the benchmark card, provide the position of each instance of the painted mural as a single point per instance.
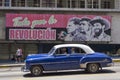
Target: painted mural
(65, 27)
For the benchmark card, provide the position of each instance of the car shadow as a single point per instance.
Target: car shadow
(104, 71)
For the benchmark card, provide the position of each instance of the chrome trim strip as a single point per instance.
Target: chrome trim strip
(84, 65)
(56, 62)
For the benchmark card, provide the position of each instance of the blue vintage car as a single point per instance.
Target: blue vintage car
(67, 57)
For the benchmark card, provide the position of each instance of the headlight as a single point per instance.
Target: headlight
(106, 60)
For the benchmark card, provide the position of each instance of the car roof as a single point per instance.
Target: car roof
(86, 48)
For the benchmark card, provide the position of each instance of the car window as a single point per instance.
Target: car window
(81, 51)
(76, 50)
(61, 51)
(69, 50)
(57, 52)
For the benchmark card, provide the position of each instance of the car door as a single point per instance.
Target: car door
(75, 58)
(66, 61)
(59, 61)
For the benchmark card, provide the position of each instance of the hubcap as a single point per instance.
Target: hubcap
(36, 70)
(93, 67)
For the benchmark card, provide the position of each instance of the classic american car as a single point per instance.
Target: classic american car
(67, 57)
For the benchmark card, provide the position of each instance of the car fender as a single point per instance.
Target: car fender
(33, 62)
(88, 59)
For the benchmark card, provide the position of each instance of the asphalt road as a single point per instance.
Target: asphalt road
(14, 73)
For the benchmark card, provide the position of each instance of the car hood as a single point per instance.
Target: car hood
(37, 55)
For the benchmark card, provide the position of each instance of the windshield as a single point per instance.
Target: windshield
(51, 51)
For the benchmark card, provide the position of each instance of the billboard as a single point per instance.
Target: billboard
(65, 27)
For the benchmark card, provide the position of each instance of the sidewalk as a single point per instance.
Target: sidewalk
(5, 64)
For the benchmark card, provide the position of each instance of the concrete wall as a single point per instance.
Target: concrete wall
(115, 26)
(2, 27)
(117, 4)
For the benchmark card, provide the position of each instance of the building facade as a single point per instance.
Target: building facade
(37, 25)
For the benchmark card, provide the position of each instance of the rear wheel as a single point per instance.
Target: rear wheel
(93, 67)
(36, 70)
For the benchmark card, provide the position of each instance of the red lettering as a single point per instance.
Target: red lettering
(26, 34)
(53, 35)
(39, 34)
(11, 34)
(47, 34)
(34, 34)
(16, 34)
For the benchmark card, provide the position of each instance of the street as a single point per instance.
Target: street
(109, 73)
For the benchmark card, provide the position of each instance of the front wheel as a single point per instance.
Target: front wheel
(93, 67)
(36, 70)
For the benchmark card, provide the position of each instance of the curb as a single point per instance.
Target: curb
(116, 60)
(22, 64)
(11, 65)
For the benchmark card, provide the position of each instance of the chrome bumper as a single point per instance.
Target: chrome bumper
(110, 64)
(23, 68)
